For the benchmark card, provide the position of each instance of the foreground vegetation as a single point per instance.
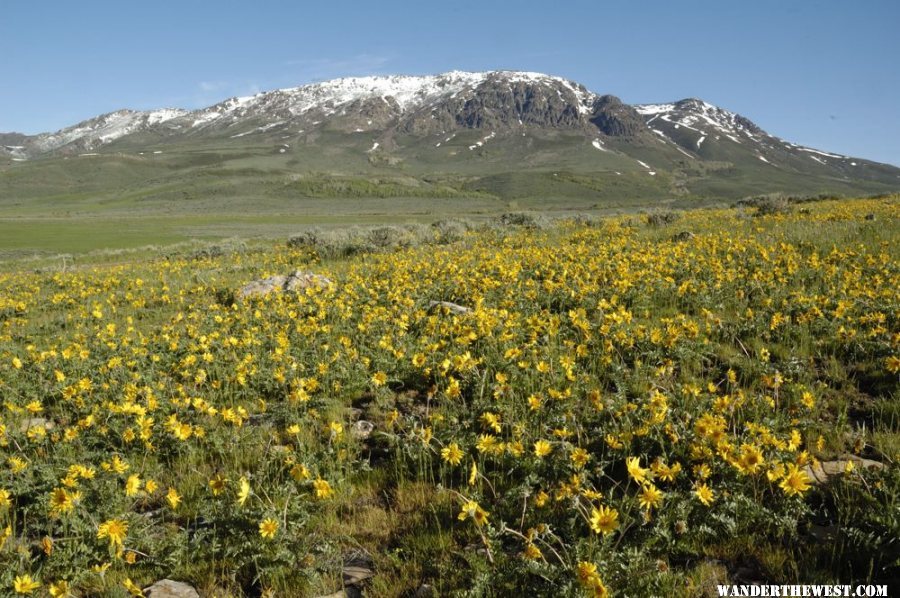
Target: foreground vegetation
(628, 406)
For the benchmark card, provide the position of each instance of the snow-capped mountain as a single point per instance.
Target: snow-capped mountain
(701, 128)
(393, 97)
(461, 115)
(93, 133)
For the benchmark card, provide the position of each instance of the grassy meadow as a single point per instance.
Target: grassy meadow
(631, 405)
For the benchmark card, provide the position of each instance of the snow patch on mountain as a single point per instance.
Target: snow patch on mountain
(105, 128)
(821, 153)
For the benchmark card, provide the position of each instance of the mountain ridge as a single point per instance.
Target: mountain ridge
(471, 122)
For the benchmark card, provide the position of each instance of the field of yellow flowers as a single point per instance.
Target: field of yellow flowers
(623, 409)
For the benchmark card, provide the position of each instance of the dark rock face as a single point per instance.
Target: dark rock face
(509, 103)
(500, 104)
(616, 119)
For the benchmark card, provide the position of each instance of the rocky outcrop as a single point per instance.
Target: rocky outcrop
(501, 102)
(616, 119)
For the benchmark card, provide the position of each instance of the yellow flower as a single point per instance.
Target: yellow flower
(795, 481)
(268, 528)
(491, 421)
(60, 589)
(585, 571)
(17, 363)
(472, 509)
(116, 464)
(132, 588)
(488, 443)
(650, 496)
(217, 484)
(23, 584)
(132, 485)
(473, 474)
(892, 364)
(808, 400)
(590, 580)
(4, 498)
(579, 457)
(637, 473)
(379, 379)
(115, 530)
(62, 501)
(776, 473)
(16, 464)
(751, 458)
(604, 520)
(532, 552)
(323, 489)
(300, 472)
(542, 448)
(704, 494)
(244, 491)
(4, 535)
(452, 454)
(173, 498)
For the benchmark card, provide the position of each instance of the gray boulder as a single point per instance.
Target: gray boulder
(293, 282)
(167, 588)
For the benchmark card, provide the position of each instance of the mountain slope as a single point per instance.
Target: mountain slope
(472, 130)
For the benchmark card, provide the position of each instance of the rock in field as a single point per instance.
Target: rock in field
(453, 308)
(293, 282)
(822, 471)
(36, 422)
(167, 588)
(362, 429)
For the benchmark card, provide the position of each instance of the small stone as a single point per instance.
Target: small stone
(453, 308)
(36, 422)
(299, 280)
(358, 566)
(820, 472)
(425, 591)
(684, 235)
(293, 282)
(167, 588)
(362, 429)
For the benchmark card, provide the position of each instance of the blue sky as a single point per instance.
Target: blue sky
(820, 73)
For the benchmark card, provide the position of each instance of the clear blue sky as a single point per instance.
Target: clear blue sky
(821, 73)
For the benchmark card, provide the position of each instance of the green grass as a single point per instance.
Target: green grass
(212, 189)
